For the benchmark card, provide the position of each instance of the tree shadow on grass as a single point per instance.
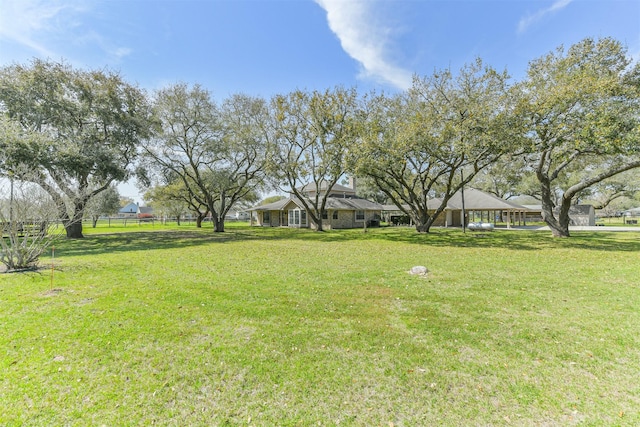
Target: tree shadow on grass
(521, 240)
(518, 240)
(146, 240)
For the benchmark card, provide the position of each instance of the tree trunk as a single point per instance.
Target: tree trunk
(315, 220)
(199, 219)
(422, 228)
(74, 229)
(563, 219)
(73, 225)
(422, 221)
(559, 226)
(218, 225)
(556, 226)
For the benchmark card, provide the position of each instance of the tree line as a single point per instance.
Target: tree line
(570, 125)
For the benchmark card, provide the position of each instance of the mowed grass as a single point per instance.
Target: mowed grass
(283, 327)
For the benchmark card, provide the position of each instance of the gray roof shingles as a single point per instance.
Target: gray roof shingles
(333, 203)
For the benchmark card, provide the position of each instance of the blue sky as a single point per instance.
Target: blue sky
(264, 47)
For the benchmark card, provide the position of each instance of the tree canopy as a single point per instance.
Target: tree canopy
(581, 119)
(433, 139)
(89, 125)
(217, 152)
(568, 131)
(312, 135)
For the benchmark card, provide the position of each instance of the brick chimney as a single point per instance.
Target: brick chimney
(352, 182)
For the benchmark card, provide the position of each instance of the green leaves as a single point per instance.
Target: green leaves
(217, 153)
(581, 111)
(79, 129)
(415, 144)
(313, 135)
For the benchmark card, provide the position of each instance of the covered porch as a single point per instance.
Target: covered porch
(483, 207)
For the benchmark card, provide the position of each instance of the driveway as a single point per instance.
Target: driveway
(576, 228)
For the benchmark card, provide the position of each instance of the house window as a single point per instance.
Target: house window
(266, 217)
(335, 214)
(297, 218)
(359, 215)
(325, 215)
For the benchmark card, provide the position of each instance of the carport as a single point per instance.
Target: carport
(485, 206)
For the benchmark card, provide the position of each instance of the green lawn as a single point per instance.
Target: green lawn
(262, 327)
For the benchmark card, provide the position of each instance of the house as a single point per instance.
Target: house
(478, 206)
(237, 215)
(633, 212)
(582, 215)
(343, 209)
(392, 214)
(134, 210)
(631, 215)
(483, 207)
(578, 214)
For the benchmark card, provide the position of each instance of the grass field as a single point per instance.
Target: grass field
(265, 327)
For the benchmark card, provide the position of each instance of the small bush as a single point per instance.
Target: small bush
(23, 241)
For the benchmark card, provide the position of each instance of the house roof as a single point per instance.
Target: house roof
(337, 188)
(473, 200)
(275, 206)
(136, 209)
(573, 210)
(352, 203)
(432, 204)
(479, 200)
(533, 207)
(333, 203)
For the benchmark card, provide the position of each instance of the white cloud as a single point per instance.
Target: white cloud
(364, 40)
(524, 23)
(93, 38)
(23, 21)
(42, 25)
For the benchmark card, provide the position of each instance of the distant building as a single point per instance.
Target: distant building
(234, 215)
(134, 210)
(632, 212)
(578, 214)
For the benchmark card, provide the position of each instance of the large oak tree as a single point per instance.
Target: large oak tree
(89, 125)
(581, 116)
(312, 133)
(433, 139)
(217, 152)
